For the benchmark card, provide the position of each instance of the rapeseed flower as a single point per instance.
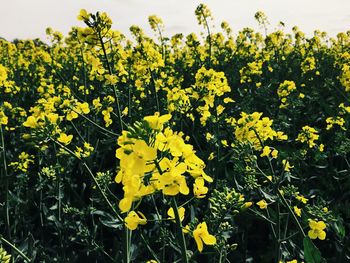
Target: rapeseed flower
(262, 204)
(64, 138)
(201, 235)
(199, 189)
(134, 219)
(317, 229)
(181, 212)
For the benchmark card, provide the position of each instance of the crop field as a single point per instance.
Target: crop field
(219, 147)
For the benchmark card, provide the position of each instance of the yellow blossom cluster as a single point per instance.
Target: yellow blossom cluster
(160, 163)
(284, 90)
(345, 77)
(331, 121)
(308, 65)
(308, 135)
(250, 72)
(338, 120)
(24, 160)
(253, 129)
(209, 85)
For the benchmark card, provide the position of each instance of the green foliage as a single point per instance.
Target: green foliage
(247, 134)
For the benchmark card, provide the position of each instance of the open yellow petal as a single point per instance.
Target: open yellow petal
(209, 239)
(312, 234)
(199, 243)
(322, 235)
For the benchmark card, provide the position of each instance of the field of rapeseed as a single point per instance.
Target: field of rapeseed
(219, 148)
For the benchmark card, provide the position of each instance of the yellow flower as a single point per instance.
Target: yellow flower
(83, 15)
(302, 199)
(156, 121)
(186, 229)
(171, 182)
(246, 205)
(224, 143)
(97, 104)
(181, 212)
(287, 165)
(227, 100)
(201, 235)
(211, 156)
(31, 122)
(52, 117)
(4, 257)
(71, 115)
(3, 73)
(64, 138)
(274, 153)
(199, 189)
(297, 211)
(262, 204)
(107, 116)
(266, 151)
(83, 107)
(308, 135)
(3, 118)
(317, 229)
(321, 147)
(125, 111)
(133, 220)
(208, 136)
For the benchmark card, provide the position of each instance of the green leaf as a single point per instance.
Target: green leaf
(311, 252)
(339, 228)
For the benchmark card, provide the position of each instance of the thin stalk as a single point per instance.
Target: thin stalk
(262, 216)
(5, 181)
(162, 42)
(271, 225)
(59, 203)
(16, 249)
(149, 248)
(286, 226)
(209, 38)
(111, 73)
(180, 233)
(295, 219)
(284, 201)
(278, 234)
(95, 124)
(126, 253)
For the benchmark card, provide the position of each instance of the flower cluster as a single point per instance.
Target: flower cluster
(308, 135)
(253, 129)
(284, 90)
(161, 161)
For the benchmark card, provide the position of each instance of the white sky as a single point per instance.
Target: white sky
(25, 19)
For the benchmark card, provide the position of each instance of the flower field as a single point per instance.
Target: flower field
(223, 147)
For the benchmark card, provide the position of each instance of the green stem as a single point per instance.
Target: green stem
(16, 249)
(126, 245)
(94, 123)
(180, 232)
(149, 248)
(278, 234)
(5, 181)
(111, 73)
(209, 38)
(295, 219)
